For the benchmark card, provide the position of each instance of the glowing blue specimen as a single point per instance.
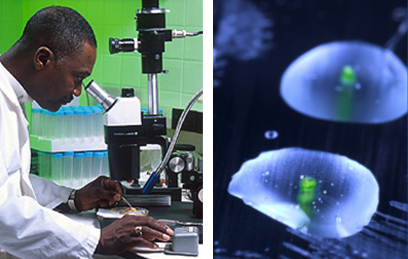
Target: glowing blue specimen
(230, 41)
(347, 82)
(320, 193)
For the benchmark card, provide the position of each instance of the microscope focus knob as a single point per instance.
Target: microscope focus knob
(176, 164)
(200, 194)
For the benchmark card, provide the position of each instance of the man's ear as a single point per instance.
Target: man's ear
(43, 57)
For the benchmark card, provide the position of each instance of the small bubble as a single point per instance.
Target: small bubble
(341, 195)
(364, 255)
(271, 134)
(324, 191)
(302, 176)
(320, 199)
(266, 180)
(357, 86)
(318, 210)
(216, 243)
(320, 181)
(313, 202)
(332, 184)
(276, 186)
(267, 173)
(297, 206)
(267, 249)
(338, 219)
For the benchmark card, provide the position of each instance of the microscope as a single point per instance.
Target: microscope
(127, 129)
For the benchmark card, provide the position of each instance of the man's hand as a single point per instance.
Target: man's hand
(102, 192)
(121, 235)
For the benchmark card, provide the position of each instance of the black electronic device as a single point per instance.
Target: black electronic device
(183, 162)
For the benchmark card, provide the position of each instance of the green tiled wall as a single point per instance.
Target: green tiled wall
(112, 18)
(11, 25)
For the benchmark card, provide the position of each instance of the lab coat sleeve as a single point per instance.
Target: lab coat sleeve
(48, 193)
(29, 230)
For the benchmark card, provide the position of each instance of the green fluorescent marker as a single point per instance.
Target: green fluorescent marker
(307, 193)
(348, 76)
(348, 79)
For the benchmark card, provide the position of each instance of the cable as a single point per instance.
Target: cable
(156, 175)
(194, 33)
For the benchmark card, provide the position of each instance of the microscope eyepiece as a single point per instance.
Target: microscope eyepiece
(105, 99)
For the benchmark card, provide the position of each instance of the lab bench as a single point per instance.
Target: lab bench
(175, 214)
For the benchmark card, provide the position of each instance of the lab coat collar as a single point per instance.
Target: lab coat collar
(21, 93)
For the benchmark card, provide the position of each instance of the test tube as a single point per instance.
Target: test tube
(41, 130)
(68, 165)
(58, 119)
(44, 164)
(79, 122)
(97, 164)
(69, 123)
(94, 132)
(47, 125)
(40, 162)
(105, 165)
(87, 169)
(56, 167)
(88, 127)
(98, 125)
(78, 169)
(35, 121)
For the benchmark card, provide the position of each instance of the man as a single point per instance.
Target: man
(47, 64)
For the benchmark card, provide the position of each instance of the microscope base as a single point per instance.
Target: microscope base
(174, 192)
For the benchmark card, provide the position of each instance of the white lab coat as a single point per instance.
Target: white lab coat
(29, 228)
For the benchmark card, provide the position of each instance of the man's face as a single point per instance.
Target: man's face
(62, 82)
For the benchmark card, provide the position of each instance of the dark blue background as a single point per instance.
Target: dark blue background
(248, 103)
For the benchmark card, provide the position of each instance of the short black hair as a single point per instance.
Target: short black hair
(61, 29)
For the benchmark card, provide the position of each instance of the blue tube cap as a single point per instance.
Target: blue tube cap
(147, 188)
